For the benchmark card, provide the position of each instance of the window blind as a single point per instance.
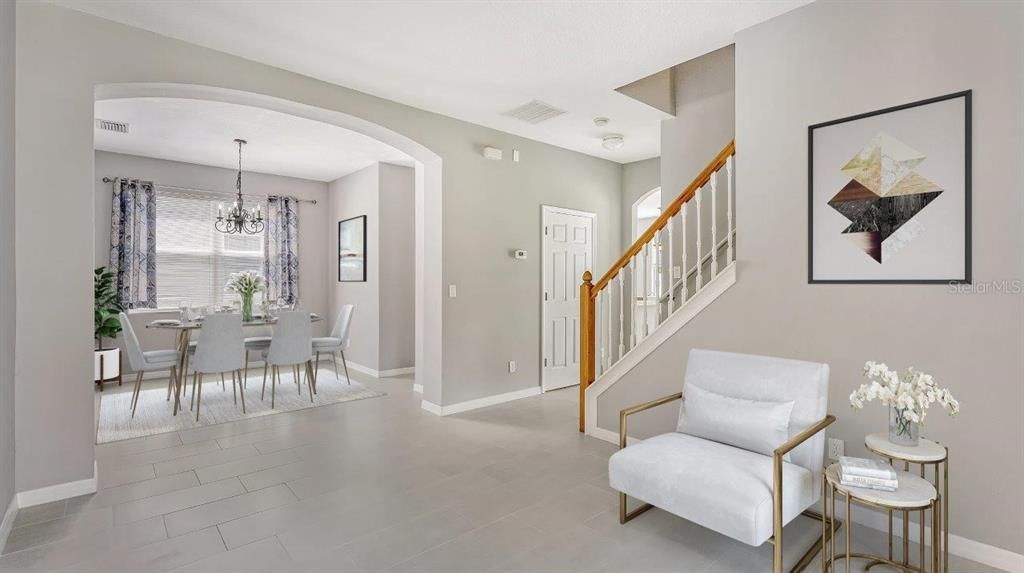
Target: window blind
(193, 260)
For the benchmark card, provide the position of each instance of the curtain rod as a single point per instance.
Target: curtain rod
(226, 193)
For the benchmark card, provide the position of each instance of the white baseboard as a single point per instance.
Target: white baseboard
(418, 388)
(479, 402)
(960, 546)
(8, 522)
(381, 373)
(57, 492)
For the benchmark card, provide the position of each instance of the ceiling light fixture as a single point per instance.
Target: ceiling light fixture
(238, 220)
(600, 121)
(613, 141)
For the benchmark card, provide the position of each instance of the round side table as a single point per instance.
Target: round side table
(926, 453)
(914, 494)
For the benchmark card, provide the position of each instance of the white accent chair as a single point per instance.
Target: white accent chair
(337, 342)
(220, 349)
(714, 479)
(291, 345)
(146, 361)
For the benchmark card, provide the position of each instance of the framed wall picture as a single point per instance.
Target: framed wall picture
(889, 195)
(352, 250)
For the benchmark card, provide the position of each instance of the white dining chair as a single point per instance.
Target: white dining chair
(221, 349)
(253, 344)
(146, 361)
(337, 342)
(291, 345)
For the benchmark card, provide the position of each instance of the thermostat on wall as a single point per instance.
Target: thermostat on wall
(519, 254)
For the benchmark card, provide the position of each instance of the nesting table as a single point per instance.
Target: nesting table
(914, 494)
(925, 453)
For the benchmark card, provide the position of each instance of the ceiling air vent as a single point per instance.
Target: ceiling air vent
(115, 126)
(534, 112)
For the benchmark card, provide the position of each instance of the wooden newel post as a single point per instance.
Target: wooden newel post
(587, 327)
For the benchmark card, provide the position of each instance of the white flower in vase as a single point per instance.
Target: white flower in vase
(908, 396)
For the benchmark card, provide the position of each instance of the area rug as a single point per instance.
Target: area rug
(154, 413)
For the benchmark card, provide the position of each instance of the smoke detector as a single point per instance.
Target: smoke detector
(600, 121)
(534, 112)
(612, 141)
(115, 126)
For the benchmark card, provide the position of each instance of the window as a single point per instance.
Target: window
(193, 260)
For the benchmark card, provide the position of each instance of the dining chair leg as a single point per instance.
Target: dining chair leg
(245, 375)
(274, 379)
(313, 377)
(170, 384)
(266, 365)
(295, 377)
(309, 379)
(199, 394)
(241, 390)
(138, 388)
(317, 369)
(345, 362)
(234, 393)
(334, 359)
(174, 380)
(222, 385)
(192, 404)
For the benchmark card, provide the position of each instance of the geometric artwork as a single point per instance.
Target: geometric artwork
(352, 249)
(890, 195)
(883, 194)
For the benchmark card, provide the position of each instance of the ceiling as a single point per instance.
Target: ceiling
(471, 60)
(202, 132)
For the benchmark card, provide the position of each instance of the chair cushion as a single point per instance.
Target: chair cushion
(755, 425)
(326, 342)
(161, 358)
(723, 488)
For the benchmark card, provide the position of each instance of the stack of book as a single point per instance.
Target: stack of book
(872, 474)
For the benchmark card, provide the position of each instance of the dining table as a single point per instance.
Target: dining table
(183, 339)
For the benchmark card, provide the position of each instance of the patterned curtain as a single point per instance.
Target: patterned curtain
(133, 242)
(281, 266)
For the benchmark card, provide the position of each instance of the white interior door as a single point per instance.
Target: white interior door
(568, 251)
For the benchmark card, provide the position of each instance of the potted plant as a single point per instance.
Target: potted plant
(908, 398)
(106, 325)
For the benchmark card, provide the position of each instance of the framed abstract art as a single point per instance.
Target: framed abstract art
(352, 250)
(889, 195)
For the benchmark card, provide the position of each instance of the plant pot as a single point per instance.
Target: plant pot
(106, 364)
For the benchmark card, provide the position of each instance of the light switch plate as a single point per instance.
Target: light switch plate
(835, 449)
(451, 291)
(511, 366)
(677, 272)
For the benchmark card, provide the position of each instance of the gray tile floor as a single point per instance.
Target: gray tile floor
(375, 485)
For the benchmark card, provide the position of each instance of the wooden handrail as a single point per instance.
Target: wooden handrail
(701, 180)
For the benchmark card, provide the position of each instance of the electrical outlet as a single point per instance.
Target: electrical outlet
(511, 366)
(835, 449)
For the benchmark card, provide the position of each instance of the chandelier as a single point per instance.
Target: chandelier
(238, 220)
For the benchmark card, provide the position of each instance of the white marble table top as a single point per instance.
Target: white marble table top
(197, 324)
(924, 451)
(913, 492)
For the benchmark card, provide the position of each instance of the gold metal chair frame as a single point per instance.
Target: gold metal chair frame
(827, 528)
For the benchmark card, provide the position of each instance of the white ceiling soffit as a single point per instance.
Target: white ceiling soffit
(202, 132)
(471, 60)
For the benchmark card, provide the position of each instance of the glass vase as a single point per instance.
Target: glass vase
(902, 430)
(247, 307)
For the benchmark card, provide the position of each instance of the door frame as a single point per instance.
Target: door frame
(546, 211)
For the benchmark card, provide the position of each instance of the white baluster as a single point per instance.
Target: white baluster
(632, 302)
(714, 224)
(647, 288)
(598, 319)
(700, 270)
(659, 265)
(622, 306)
(671, 277)
(608, 324)
(684, 291)
(728, 206)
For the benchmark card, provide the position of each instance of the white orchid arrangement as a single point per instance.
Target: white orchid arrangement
(245, 283)
(910, 394)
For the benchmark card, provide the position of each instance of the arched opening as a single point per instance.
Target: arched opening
(427, 166)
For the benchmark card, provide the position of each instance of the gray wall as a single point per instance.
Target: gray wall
(312, 225)
(809, 66)
(351, 196)
(489, 208)
(383, 330)
(638, 178)
(7, 282)
(397, 265)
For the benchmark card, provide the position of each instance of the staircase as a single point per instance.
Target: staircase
(676, 268)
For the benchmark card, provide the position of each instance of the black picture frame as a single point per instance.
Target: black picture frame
(360, 250)
(967, 278)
